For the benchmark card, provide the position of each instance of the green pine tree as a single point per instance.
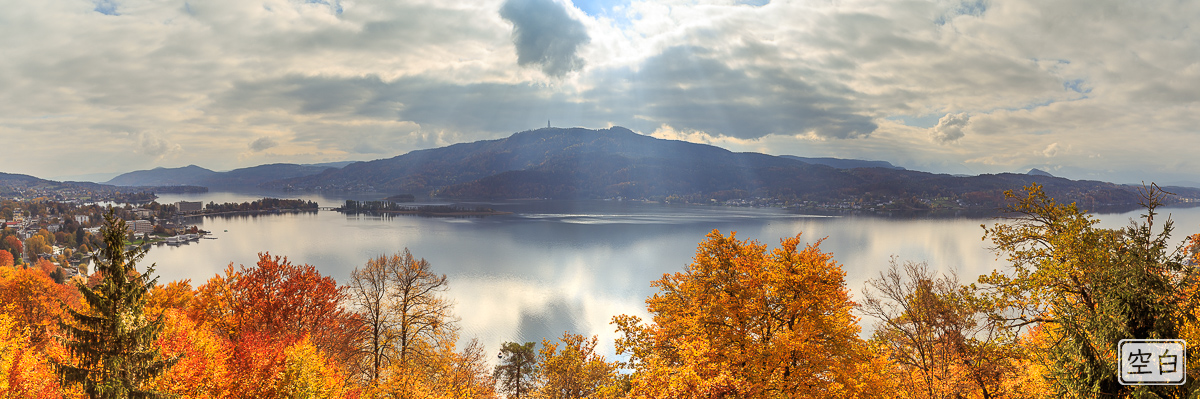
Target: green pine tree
(112, 343)
(1094, 287)
(517, 371)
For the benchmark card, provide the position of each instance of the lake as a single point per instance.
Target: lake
(554, 266)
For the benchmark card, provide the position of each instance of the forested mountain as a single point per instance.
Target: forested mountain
(197, 176)
(616, 162)
(844, 163)
(29, 187)
(187, 175)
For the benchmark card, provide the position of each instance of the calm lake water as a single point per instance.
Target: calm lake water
(554, 266)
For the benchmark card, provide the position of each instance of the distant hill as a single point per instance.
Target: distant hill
(1185, 183)
(193, 175)
(844, 163)
(13, 178)
(187, 175)
(336, 165)
(616, 162)
(1038, 172)
(29, 187)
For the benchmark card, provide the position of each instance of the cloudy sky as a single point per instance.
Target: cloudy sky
(1092, 89)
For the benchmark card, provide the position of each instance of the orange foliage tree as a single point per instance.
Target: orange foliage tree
(201, 371)
(24, 372)
(575, 370)
(34, 301)
(741, 322)
(939, 334)
(282, 301)
(6, 259)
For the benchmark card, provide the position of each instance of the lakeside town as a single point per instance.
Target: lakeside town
(59, 237)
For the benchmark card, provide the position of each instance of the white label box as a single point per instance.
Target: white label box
(1152, 361)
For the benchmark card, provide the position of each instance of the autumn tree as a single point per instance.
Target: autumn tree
(400, 300)
(1089, 287)
(370, 291)
(278, 299)
(517, 368)
(34, 301)
(111, 342)
(938, 331)
(6, 259)
(36, 245)
(13, 245)
(742, 322)
(202, 370)
(460, 374)
(411, 334)
(24, 372)
(309, 373)
(422, 313)
(574, 370)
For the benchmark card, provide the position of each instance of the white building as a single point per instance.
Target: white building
(188, 206)
(141, 226)
(83, 219)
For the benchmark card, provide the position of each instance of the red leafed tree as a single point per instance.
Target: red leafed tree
(278, 299)
(14, 245)
(6, 258)
(46, 266)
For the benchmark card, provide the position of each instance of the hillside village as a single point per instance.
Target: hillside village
(60, 236)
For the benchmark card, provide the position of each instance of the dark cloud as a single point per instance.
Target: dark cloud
(476, 108)
(262, 143)
(691, 88)
(545, 35)
(684, 87)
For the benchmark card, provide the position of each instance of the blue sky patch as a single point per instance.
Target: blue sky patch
(974, 8)
(1077, 86)
(336, 5)
(600, 8)
(924, 121)
(106, 7)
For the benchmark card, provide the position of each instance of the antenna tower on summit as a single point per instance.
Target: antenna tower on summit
(547, 123)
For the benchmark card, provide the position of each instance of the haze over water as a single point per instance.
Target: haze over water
(572, 265)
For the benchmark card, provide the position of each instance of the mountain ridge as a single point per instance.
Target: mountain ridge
(193, 175)
(616, 162)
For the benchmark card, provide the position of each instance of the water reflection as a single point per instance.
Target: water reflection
(555, 266)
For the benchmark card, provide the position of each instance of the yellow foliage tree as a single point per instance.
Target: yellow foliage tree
(576, 371)
(742, 322)
(309, 374)
(441, 373)
(24, 372)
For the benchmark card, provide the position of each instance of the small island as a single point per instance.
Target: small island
(353, 207)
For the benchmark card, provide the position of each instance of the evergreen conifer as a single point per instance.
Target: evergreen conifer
(111, 342)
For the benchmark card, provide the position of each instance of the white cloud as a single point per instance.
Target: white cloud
(155, 146)
(1051, 150)
(949, 128)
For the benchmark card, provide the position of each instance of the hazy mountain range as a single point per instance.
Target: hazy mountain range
(193, 175)
(616, 162)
